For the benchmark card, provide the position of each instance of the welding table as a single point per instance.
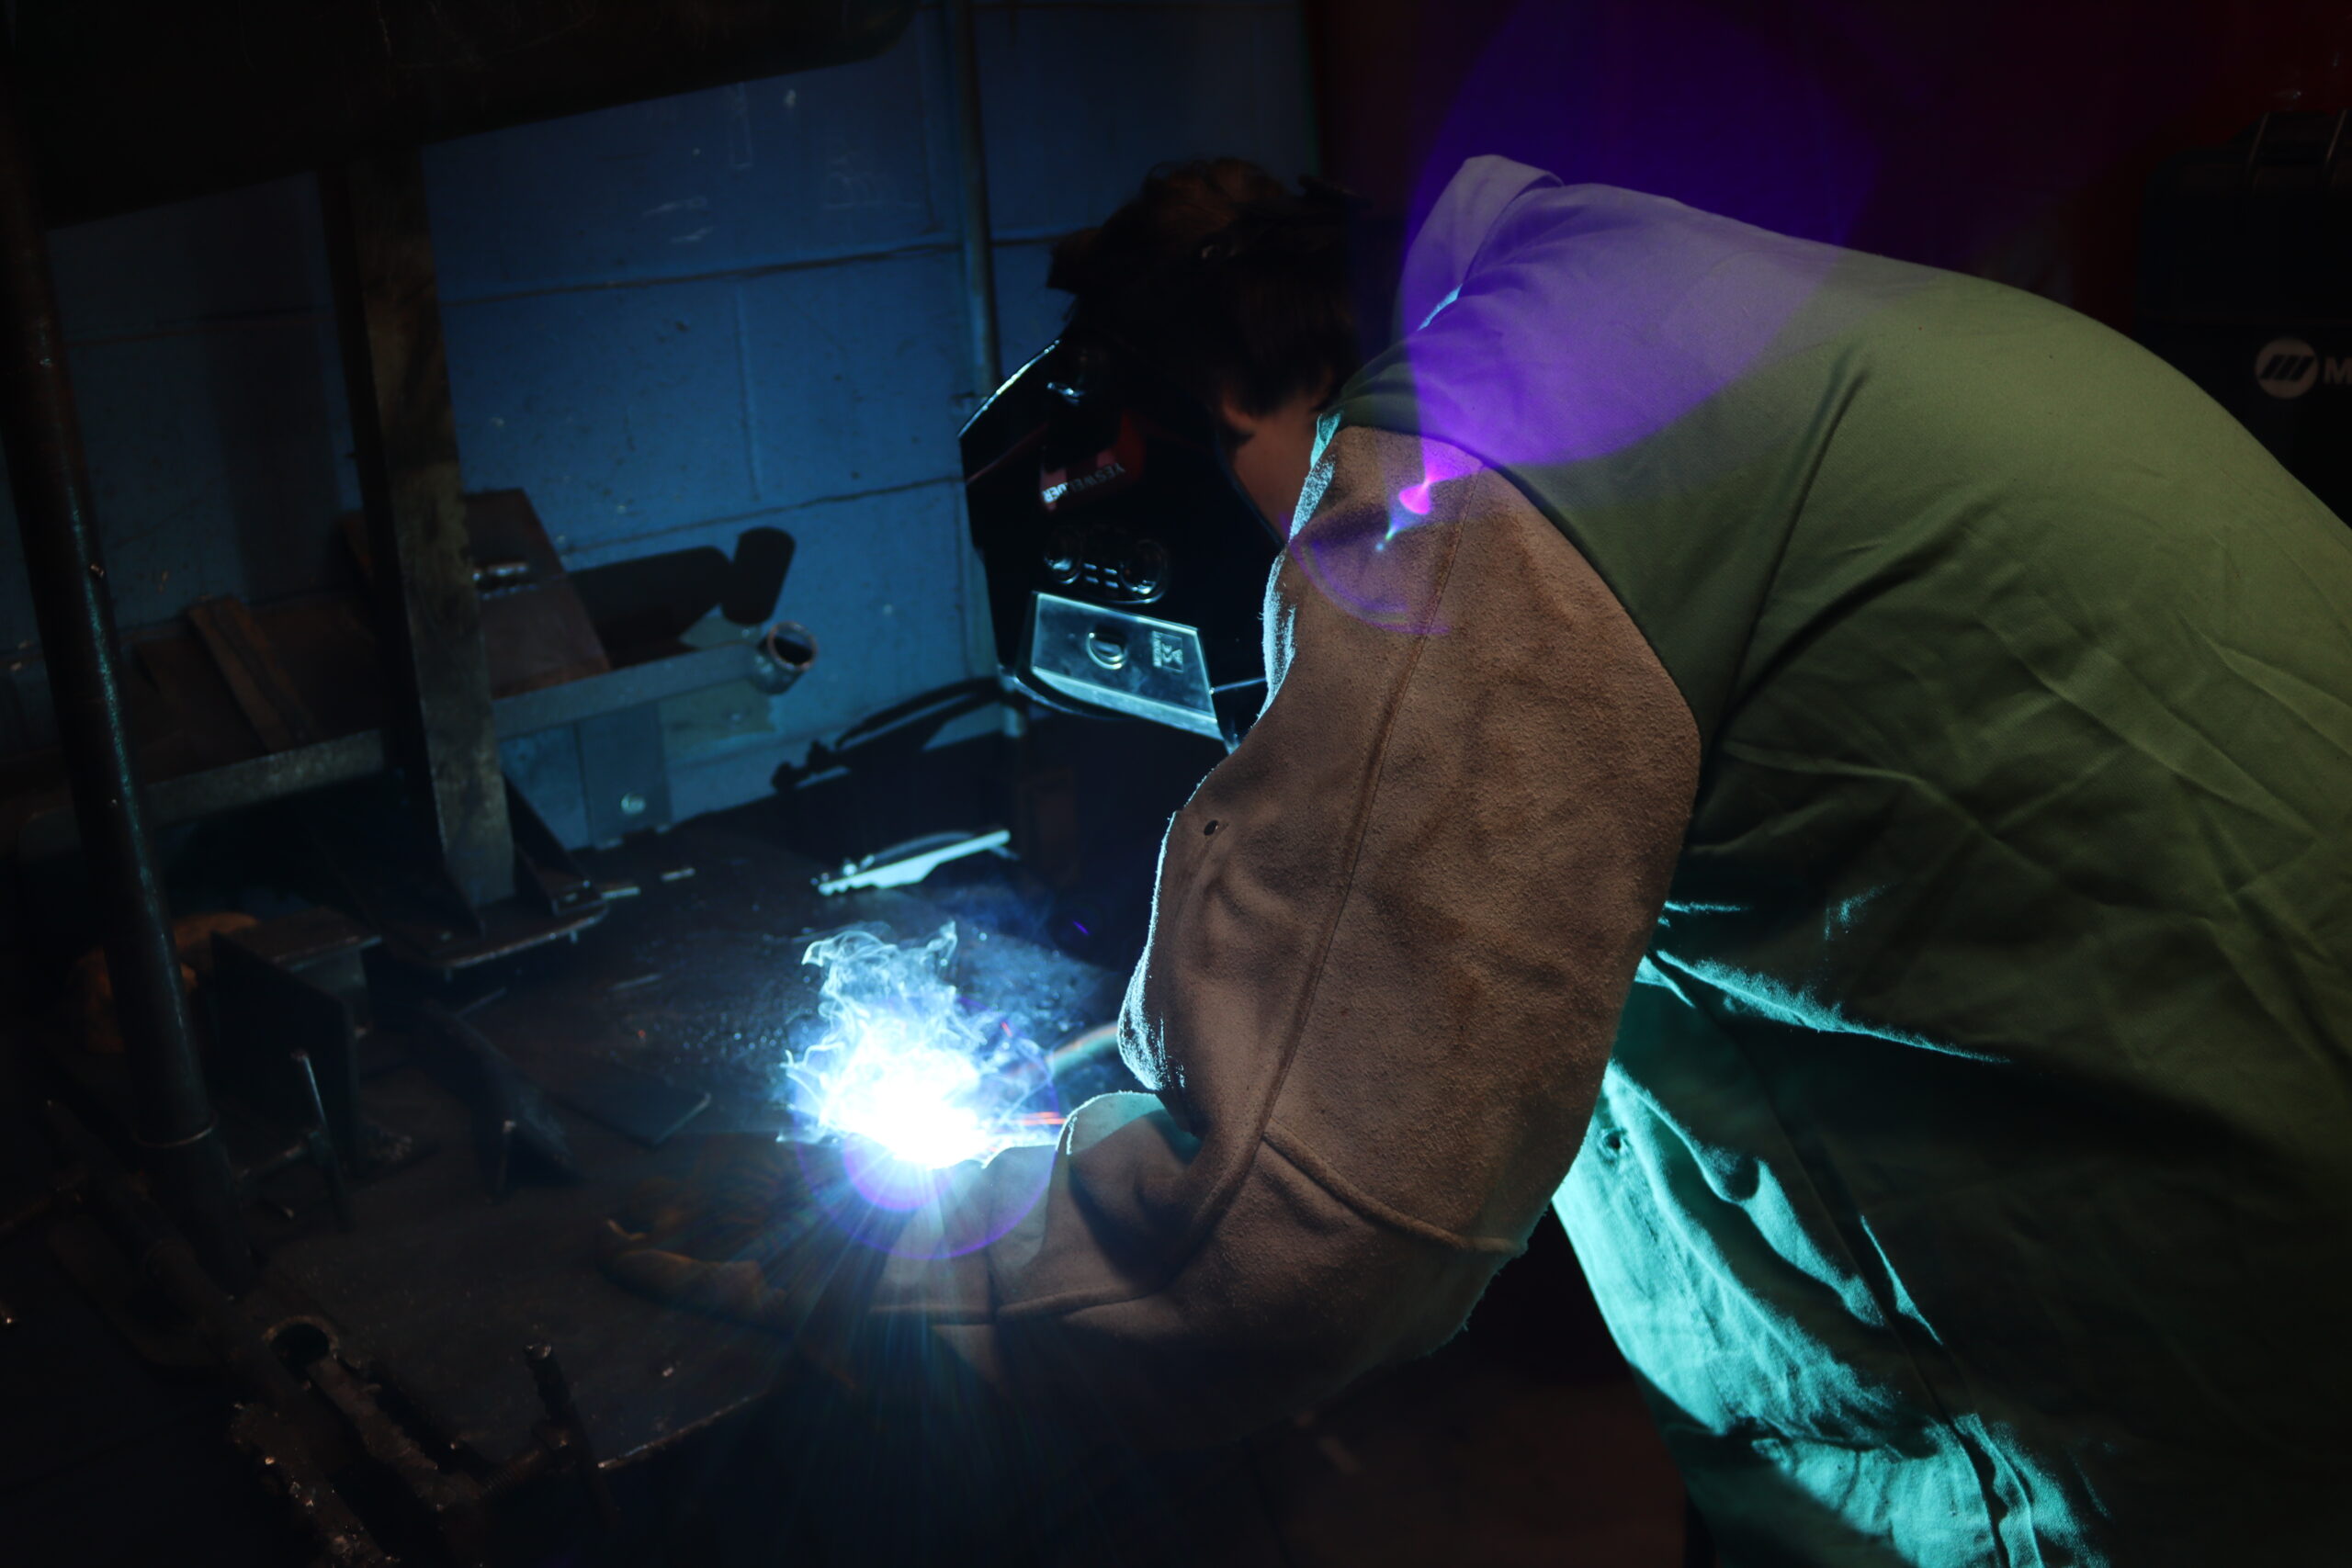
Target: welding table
(697, 978)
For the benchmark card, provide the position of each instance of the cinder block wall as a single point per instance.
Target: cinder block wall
(667, 322)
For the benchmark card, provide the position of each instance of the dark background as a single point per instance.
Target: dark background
(2007, 138)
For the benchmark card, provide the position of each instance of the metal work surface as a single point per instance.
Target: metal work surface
(697, 980)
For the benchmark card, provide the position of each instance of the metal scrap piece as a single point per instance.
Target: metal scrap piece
(508, 1107)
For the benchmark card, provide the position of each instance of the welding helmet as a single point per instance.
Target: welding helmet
(1127, 569)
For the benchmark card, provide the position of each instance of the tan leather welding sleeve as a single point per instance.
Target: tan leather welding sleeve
(1392, 934)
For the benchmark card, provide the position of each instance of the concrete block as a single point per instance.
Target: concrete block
(217, 261)
(620, 410)
(789, 168)
(856, 376)
(1079, 102)
(215, 468)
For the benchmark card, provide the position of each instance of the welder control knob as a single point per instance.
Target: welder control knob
(1145, 569)
(1063, 556)
(1107, 646)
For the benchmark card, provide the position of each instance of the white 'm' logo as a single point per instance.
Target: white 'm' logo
(2286, 368)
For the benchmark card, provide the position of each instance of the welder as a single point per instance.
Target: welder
(1832, 775)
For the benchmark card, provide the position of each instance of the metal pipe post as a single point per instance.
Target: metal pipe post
(404, 437)
(172, 1114)
(972, 166)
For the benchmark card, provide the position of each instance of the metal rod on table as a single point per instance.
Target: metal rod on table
(171, 1113)
(972, 166)
(555, 1397)
(320, 1143)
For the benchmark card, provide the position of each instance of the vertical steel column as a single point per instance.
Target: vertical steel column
(405, 439)
(986, 354)
(171, 1113)
(972, 166)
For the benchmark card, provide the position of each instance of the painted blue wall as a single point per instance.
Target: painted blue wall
(666, 322)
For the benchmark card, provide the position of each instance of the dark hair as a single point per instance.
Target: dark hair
(1222, 279)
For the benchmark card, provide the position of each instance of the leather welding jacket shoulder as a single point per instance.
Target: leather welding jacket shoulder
(1972, 1178)
(1392, 934)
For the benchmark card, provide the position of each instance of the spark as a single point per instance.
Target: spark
(907, 1073)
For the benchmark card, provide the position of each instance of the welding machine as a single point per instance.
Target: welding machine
(2245, 286)
(1126, 566)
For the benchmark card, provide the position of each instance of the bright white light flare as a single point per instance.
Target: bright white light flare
(904, 1065)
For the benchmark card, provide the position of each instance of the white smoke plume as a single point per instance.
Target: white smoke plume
(904, 1063)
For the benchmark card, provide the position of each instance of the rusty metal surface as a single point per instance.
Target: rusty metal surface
(439, 1291)
(697, 980)
(534, 630)
(404, 438)
(195, 701)
(385, 1442)
(285, 1464)
(142, 101)
(246, 658)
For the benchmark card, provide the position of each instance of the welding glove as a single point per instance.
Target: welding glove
(702, 1241)
(741, 1186)
(745, 1237)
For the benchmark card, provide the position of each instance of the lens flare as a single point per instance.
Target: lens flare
(1440, 465)
(908, 1076)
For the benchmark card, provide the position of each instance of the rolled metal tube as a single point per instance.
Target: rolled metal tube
(318, 1144)
(785, 655)
(439, 1490)
(172, 1114)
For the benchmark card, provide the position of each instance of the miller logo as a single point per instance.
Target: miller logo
(2287, 367)
(1056, 486)
(1109, 470)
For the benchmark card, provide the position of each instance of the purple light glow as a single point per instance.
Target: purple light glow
(1440, 465)
(1680, 98)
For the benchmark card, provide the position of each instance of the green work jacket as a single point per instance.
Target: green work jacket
(1972, 1180)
